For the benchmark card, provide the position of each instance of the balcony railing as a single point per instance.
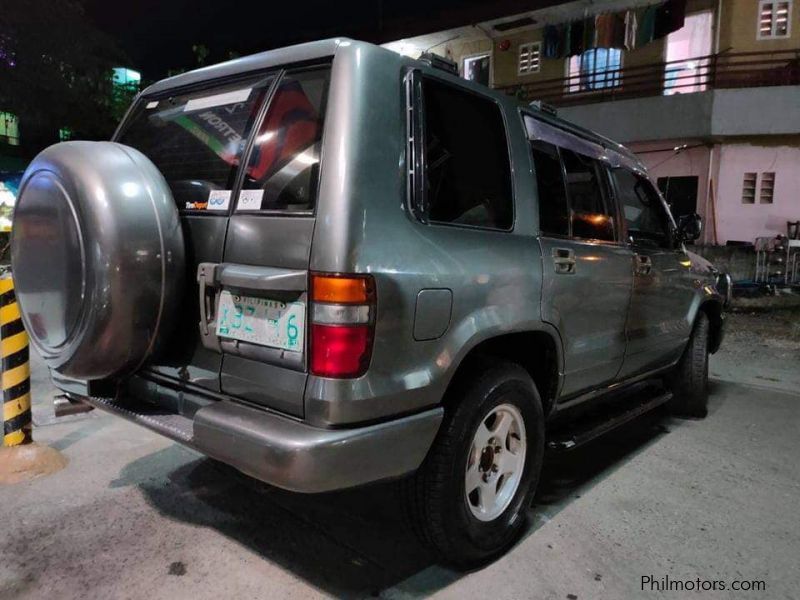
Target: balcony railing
(700, 73)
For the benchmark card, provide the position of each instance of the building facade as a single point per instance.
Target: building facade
(707, 92)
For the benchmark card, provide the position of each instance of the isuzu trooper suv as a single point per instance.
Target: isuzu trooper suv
(329, 265)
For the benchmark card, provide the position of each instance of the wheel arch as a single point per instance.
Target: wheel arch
(538, 351)
(713, 310)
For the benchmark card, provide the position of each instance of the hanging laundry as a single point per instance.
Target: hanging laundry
(630, 29)
(564, 40)
(618, 30)
(669, 17)
(576, 30)
(550, 42)
(604, 26)
(647, 25)
(589, 34)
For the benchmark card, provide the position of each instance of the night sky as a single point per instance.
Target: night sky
(158, 34)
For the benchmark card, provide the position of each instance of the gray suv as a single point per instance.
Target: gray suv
(329, 265)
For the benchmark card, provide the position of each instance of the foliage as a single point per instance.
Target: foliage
(56, 70)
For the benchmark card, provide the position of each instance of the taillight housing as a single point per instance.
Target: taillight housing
(342, 315)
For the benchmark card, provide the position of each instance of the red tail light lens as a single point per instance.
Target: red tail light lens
(342, 324)
(340, 350)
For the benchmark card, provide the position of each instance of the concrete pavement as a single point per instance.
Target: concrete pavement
(134, 515)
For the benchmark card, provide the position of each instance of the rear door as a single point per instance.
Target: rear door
(242, 160)
(197, 137)
(264, 275)
(587, 271)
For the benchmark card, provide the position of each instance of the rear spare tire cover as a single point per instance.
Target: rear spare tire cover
(97, 257)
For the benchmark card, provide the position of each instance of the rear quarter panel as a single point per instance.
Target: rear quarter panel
(363, 226)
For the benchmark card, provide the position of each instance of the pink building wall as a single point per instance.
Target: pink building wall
(744, 222)
(661, 160)
(735, 220)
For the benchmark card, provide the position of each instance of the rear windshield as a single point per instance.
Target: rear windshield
(197, 141)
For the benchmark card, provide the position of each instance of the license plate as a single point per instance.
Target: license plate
(261, 321)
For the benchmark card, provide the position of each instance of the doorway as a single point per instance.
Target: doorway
(680, 193)
(476, 68)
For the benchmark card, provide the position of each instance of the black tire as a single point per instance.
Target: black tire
(689, 381)
(435, 496)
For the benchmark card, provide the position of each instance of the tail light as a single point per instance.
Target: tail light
(342, 324)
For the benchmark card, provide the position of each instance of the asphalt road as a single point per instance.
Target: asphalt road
(134, 515)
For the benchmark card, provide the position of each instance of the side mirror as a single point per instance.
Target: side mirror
(689, 227)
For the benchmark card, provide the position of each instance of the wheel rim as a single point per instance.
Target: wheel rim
(495, 463)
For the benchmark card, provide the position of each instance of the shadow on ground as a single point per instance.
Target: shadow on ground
(355, 543)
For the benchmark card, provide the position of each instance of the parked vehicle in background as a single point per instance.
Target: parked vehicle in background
(330, 264)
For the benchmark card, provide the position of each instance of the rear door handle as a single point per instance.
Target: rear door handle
(564, 261)
(644, 265)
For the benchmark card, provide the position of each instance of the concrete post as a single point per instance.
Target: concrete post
(16, 372)
(20, 458)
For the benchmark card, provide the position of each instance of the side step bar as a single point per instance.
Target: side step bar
(583, 431)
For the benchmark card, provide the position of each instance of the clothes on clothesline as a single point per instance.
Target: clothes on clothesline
(647, 25)
(628, 29)
(551, 42)
(576, 38)
(610, 30)
(631, 24)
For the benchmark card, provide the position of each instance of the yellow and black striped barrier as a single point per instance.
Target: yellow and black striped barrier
(16, 371)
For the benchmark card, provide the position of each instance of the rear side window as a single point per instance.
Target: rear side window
(196, 139)
(553, 208)
(283, 168)
(645, 215)
(467, 169)
(591, 211)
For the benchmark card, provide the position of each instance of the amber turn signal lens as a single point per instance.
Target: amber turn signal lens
(342, 290)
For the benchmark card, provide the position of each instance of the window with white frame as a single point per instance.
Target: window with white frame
(758, 186)
(774, 19)
(749, 188)
(767, 190)
(529, 58)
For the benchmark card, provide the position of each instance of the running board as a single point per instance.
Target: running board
(583, 431)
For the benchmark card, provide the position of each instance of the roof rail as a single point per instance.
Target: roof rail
(439, 62)
(544, 107)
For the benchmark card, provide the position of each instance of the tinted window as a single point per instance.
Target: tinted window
(196, 140)
(644, 212)
(284, 165)
(553, 210)
(468, 178)
(590, 210)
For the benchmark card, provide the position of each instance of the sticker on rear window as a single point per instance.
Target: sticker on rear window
(250, 200)
(152, 104)
(219, 199)
(218, 100)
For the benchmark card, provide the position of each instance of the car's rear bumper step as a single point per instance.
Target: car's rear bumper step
(585, 430)
(285, 452)
(171, 425)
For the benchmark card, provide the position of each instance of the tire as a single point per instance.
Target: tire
(97, 253)
(689, 381)
(443, 515)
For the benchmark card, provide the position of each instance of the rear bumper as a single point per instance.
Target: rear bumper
(290, 454)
